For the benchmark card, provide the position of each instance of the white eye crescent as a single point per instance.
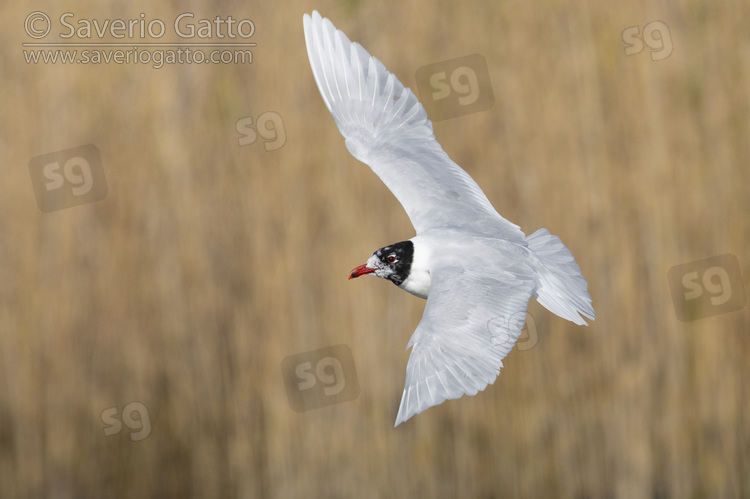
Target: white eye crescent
(391, 259)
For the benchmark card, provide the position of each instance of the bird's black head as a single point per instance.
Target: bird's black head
(390, 262)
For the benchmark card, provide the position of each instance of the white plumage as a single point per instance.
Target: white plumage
(482, 270)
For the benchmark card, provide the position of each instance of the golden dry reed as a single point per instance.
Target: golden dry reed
(142, 336)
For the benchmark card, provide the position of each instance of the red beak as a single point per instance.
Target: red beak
(361, 270)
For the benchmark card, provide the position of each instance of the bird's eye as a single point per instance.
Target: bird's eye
(391, 259)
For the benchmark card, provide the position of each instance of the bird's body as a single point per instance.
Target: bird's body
(477, 270)
(441, 248)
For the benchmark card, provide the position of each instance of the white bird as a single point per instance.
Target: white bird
(477, 270)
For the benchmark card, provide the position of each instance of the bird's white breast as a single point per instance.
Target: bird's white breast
(418, 283)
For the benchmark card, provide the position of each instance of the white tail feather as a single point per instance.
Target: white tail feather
(562, 288)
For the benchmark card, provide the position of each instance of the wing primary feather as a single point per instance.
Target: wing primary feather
(396, 139)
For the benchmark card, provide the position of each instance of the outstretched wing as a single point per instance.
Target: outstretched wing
(471, 322)
(387, 128)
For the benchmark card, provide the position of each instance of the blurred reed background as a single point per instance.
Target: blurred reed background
(209, 262)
